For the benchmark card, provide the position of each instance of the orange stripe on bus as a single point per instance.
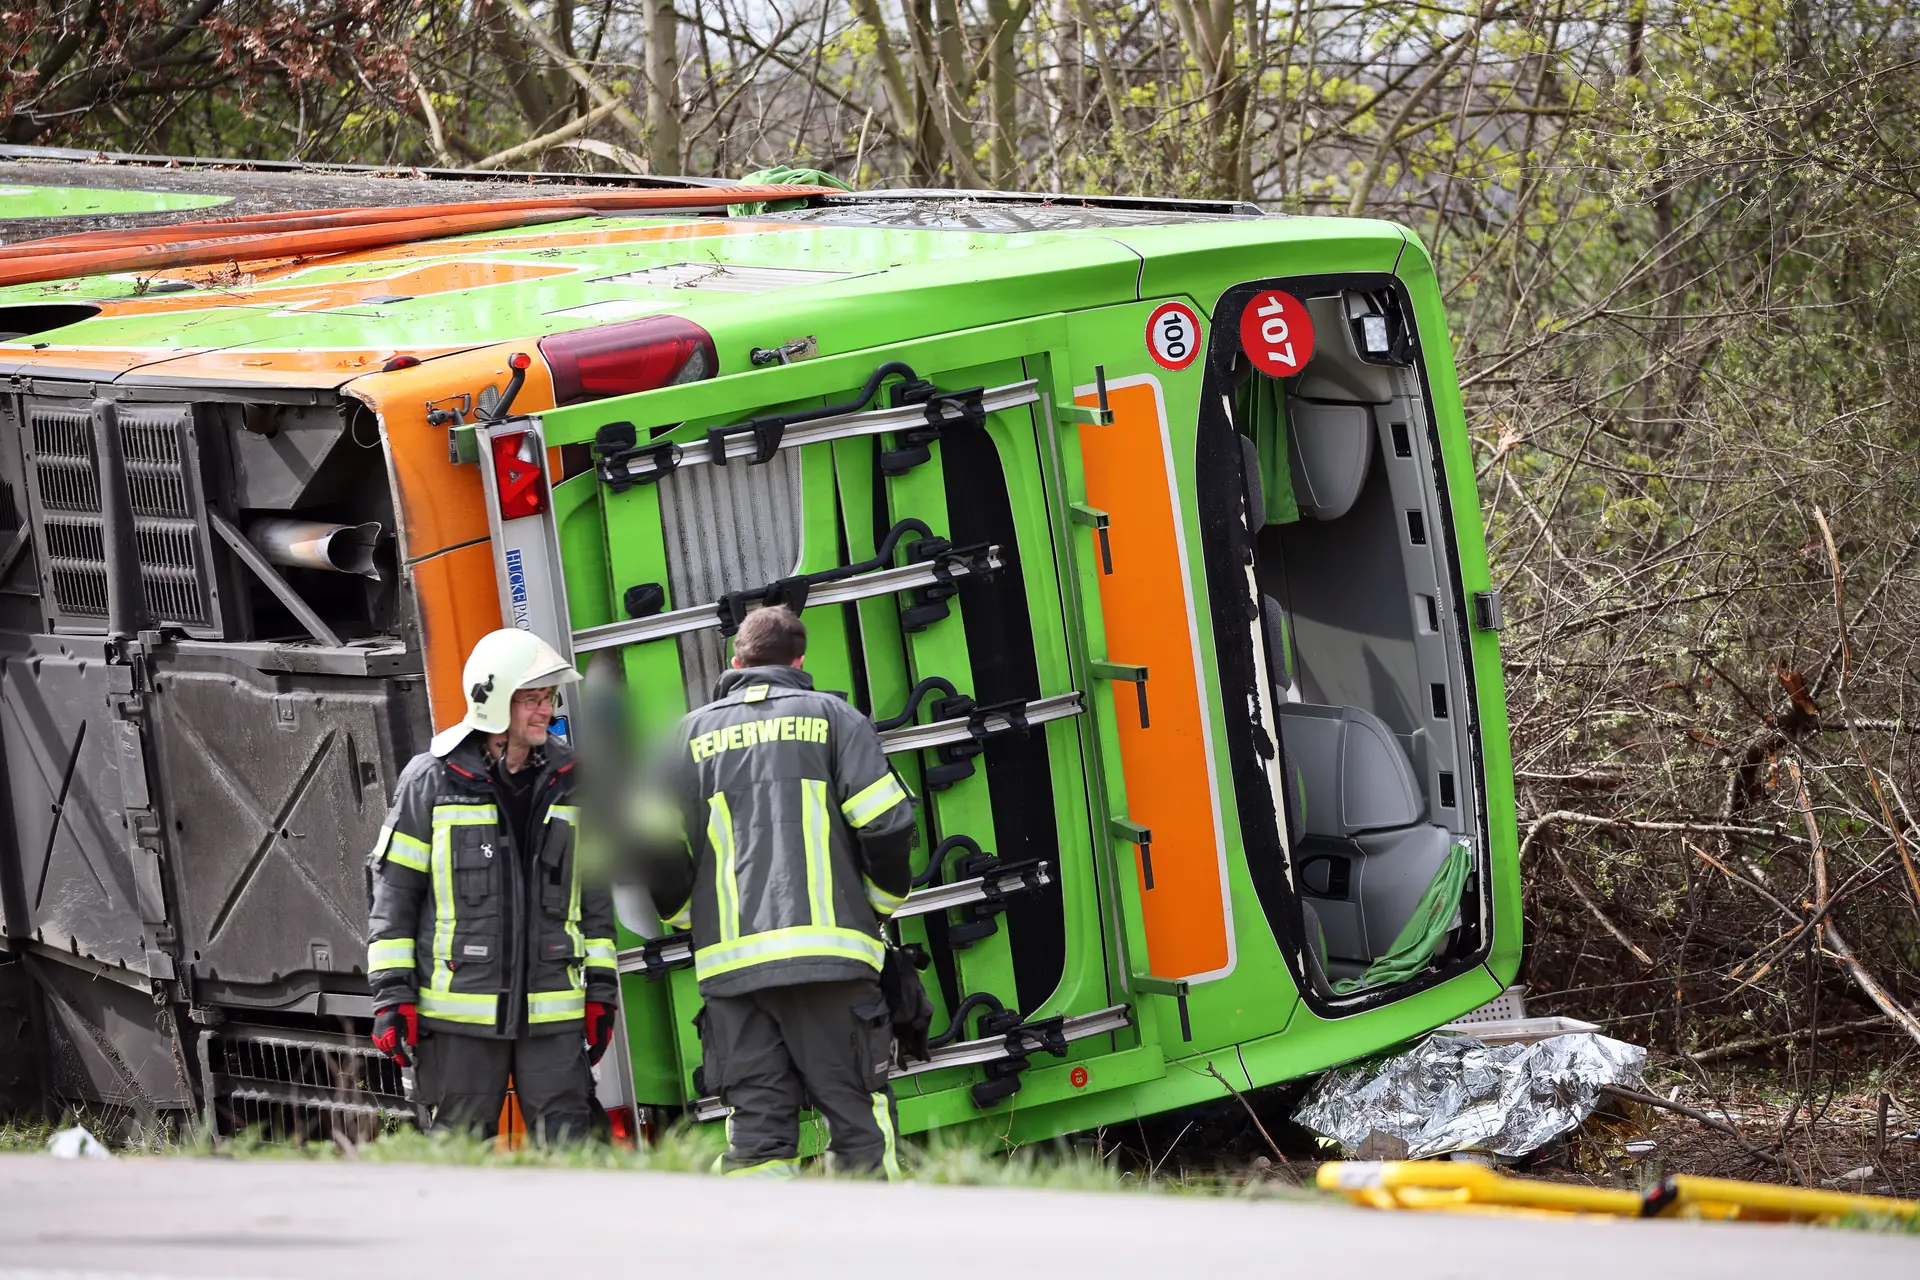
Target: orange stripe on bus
(1149, 623)
(458, 604)
(442, 504)
(422, 280)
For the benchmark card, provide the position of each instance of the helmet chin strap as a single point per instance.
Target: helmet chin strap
(502, 744)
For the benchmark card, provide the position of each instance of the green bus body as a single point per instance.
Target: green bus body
(1053, 311)
(854, 285)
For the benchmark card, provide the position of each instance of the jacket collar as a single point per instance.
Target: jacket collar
(468, 761)
(779, 677)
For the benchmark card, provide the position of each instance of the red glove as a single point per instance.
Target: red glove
(396, 1030)
(599, 1030)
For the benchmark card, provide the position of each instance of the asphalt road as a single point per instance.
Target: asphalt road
(69, 1219)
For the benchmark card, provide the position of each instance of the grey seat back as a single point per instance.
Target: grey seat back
(1279, 634)
(1332, 449)
(1354, 773)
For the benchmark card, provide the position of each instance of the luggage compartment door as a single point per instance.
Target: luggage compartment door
(905, 497)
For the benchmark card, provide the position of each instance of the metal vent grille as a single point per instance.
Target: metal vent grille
(163, 481)
(728, 528)
(64, 470)
(302, 1086)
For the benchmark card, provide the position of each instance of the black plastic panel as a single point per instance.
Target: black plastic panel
(75, 877)
(272, 789)
(108, 1044)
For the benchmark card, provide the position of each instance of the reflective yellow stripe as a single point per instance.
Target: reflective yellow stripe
(726, 876)
(813, 825)
(449, 1006)
(871, 802)
(784, 1167)
(464, 815)
(883, 902)
(404, 850)
(681, 919)
(601, 954)
(443, 908)
(389, 953)
(573, 910)
(804, 942)
(564, 813)
(883, 1116)
(445, 818)
(556, 1006)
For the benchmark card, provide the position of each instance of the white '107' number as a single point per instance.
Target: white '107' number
(1273, 332)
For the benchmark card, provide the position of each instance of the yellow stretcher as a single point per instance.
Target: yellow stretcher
(1460, 1187)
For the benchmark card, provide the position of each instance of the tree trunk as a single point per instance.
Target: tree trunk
(1066, 97)
(1001, 91)
(929, 145)
(528, 86)
(892, 77)
(1208, 29)
(663, 87)
(1109, 77)
(954, 85)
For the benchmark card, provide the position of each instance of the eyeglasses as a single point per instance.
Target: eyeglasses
(534, 698)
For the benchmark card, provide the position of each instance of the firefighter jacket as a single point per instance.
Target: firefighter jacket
(485, 938)
(798, 832)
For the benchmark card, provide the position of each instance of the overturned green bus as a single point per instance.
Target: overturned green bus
(1146, 530)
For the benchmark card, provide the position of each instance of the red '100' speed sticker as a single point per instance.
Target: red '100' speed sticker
(1276, 333)
(1173, 335)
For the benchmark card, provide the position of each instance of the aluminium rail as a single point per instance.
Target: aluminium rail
(982, 722)
(648, 462)
(864, 586)
(676, 950)
(1019, 1042)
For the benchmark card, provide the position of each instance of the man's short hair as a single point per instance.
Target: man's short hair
(771, 637)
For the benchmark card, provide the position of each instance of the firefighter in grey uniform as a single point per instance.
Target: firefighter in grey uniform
(487, 955)
(794, 833)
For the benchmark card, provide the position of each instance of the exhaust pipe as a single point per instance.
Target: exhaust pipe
(315, 544)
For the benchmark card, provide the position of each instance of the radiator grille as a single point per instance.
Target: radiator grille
(63, 460)
(302, 1086)
(163, 481)
(728, 529)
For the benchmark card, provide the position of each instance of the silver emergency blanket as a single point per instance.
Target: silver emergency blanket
(1450, 1092)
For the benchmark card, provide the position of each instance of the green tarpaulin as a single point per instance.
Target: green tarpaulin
(1413, 950)
(800, 177)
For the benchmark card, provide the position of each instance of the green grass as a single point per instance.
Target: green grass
(1899, 1224)
(683, 1149)
(25, 1135)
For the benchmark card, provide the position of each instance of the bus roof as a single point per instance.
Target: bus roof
(323, 322)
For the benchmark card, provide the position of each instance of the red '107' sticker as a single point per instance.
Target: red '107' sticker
(1276, 333)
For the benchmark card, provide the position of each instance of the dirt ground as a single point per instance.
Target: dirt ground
(1836, 1142)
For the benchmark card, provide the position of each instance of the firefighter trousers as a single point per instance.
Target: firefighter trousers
(464, 1080)
(767, 1052)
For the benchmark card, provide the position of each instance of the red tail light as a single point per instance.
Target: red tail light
(620, 359)
(519, 475)
(620, 1119)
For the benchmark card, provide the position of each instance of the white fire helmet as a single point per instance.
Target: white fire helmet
(501, 664)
